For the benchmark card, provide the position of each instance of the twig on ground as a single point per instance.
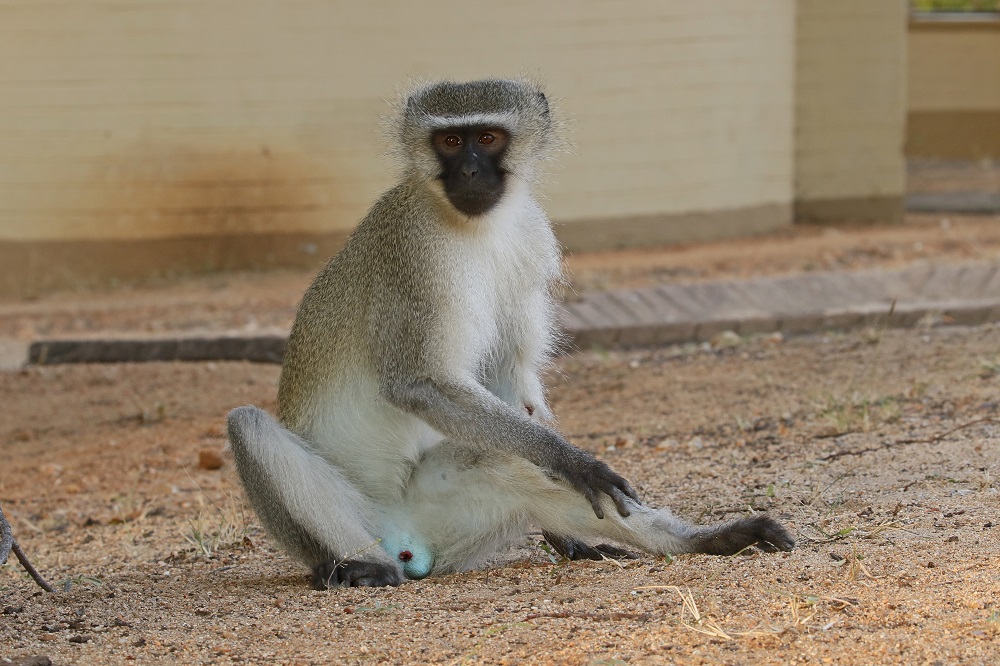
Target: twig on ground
(8, 544)
(910, 440)
(938, 437)
(644, 617)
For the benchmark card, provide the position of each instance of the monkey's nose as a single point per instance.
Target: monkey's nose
(469, 166)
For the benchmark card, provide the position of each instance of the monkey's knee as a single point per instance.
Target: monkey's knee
(243, 423)
(351, 573)
(254, 437)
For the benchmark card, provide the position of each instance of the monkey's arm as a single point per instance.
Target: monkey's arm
(468, 413)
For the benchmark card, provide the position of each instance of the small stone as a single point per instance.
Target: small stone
(624, 442)
(209, 459)
(48, 637)
(953, 539)
(726, 340)
(80, 638)
(38, 660)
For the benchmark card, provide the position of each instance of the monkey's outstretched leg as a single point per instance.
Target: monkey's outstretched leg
(655, 531)
(306, 504)
(468, 506)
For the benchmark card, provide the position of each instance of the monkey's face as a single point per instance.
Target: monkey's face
(471, 171)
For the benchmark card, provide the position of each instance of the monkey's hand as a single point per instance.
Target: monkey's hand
(467, 412)
(592, 478)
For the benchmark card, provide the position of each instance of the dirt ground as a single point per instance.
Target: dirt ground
(878, 448)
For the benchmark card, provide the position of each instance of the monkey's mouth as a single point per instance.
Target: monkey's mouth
(474, 203)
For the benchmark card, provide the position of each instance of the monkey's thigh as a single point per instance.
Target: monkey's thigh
(469, 504)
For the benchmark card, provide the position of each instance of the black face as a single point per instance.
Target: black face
(470, 166)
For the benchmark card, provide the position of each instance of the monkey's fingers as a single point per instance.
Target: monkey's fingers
(598, 479)
(620, 491)
(595, 502)
(619, 497)
(627, 488)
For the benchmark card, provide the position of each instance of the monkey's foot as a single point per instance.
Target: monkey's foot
(574, 549)
(730, 538)
(352, 573)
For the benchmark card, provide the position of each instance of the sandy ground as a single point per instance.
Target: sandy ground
(878, 448)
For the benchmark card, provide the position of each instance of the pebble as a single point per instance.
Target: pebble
(726, 340)
(209, 459)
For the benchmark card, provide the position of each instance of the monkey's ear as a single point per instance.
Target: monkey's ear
(545, 102)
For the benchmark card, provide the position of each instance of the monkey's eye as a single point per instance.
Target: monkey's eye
(486, 138)
(453, 141)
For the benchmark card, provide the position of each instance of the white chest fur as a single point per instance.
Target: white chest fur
(500, 287)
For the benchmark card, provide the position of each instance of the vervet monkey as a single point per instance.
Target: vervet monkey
(414, 435)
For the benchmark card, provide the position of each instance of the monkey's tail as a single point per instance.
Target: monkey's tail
(304, 502)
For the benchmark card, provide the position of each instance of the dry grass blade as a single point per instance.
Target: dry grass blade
(803, 609)
(856, 566)
(887, 526)
(217, 526)
(703, 625)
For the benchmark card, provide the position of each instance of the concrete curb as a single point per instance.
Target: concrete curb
(970, 203)
(954, 293)
(959, 294)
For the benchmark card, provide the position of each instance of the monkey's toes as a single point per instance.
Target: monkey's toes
(350, 573)
(730, 538)
(773, 536)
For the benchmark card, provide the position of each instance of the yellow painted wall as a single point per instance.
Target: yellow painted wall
(850, 109)
(164, 118)
(954, 66)
(954, 88)
(237, 133)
